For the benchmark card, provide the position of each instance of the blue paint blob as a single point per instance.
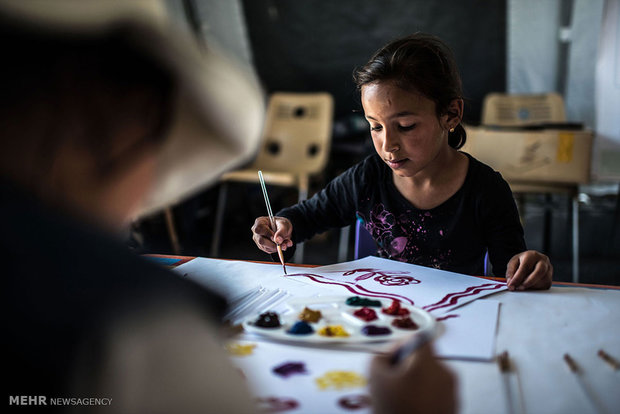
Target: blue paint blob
(300, 328)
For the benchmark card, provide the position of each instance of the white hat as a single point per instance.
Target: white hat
(219, 110)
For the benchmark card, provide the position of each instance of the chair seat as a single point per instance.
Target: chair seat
(271, 177)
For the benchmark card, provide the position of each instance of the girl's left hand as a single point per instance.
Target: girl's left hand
(529, 270)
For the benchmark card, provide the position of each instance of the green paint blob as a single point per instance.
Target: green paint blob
(358, 301)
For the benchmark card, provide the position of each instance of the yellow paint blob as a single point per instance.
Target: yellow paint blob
(340, 379)
(333, 330)
(237, 349)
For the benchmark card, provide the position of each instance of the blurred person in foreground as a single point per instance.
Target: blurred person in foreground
(106, 114)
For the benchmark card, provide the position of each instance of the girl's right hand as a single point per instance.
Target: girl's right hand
(266, 239)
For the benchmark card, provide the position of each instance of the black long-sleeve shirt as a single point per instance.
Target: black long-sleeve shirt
(453, 236)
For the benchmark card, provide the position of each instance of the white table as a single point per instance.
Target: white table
(537, 329)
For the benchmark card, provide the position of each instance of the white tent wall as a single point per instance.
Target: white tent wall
(607, 143)
(536, 62)
(219, 24)
(532, 46)
(583, 41)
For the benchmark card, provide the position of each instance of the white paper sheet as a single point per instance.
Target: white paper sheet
(436, 291)
(468, 332)
(232, 278)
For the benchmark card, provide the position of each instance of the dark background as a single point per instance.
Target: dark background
(315, 45)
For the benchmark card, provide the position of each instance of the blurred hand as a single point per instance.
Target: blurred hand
(418, 384)
(266, 239)
(529, 270)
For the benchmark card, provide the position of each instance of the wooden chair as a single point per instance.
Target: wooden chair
(295, 145)
(506, 110)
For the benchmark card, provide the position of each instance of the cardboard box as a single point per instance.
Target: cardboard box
(540, 156)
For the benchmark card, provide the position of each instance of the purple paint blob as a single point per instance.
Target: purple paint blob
(374, 330)
(290, 368)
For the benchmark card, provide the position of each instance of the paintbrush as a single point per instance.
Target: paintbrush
(409, 347)
(609, 359)
(514, 403)
(585, 387)
(272, 220)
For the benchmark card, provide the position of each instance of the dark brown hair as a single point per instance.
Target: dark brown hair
(418, 63)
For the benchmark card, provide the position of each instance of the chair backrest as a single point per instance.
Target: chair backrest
(297, 133)
(364, 243)
(508, 110)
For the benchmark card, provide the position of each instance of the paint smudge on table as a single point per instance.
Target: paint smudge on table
(340, 380)
(276, 404)
(290, 368)
(239, 349)
(354, 402)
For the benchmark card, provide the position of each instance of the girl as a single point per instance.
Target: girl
(423, 201)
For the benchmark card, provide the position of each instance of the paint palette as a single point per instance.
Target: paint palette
(341, 322)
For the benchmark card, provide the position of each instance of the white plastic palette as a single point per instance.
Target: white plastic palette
(335, 311)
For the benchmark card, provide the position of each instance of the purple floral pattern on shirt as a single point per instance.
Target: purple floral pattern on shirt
(407, 237)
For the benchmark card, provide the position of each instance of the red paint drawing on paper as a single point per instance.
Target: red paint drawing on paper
(357, 289)
(443, 318)
(452, 298)
(394, 278)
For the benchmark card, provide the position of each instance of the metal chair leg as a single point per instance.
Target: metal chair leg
(172, 232)
(303, 194)
(219, 218)
(576, 237)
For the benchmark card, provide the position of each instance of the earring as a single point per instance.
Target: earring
(452, 129)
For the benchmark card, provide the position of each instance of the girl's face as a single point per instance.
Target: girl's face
(404, 127)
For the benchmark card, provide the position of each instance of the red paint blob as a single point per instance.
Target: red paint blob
(395, 309)
(366, 314)
(405, 323)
